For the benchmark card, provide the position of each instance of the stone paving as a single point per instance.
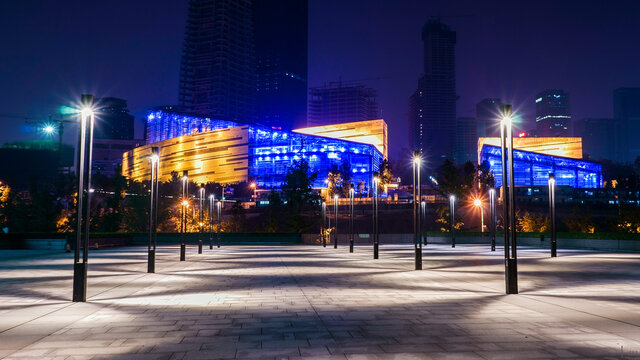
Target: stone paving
(312, 302)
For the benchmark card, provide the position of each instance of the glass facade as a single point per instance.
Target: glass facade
(533, 169)
(209, 148)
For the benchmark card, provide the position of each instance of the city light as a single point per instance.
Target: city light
(48, 129)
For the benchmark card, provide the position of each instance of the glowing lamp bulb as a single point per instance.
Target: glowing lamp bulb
(477, 202)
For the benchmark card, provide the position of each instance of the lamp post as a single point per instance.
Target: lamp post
(452, 208)
(511, 259)
(153, 210)
(492, 220)
(417, 224)
(212, 200)
(351, 229)
(478, 203)
(323, 228)
(376, 239)
(87, 118)
(552, 213)
(183, 217)
(201, 222)
(335, 236)
(219, 222)
(423, 205)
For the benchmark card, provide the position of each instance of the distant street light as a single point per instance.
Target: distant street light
(201, 222)
(478, 203)
(49, 129)
(417, 223)
(254, 186)
(183, 215)
(153, 210)
(452, 208)
(351, 229)
(492, 220)
(511, 259)
(87, 118)
(335, 236)
(552, 214)
(212, 200)
(376, 238)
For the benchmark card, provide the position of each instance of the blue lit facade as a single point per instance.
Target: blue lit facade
(271, 152)
(533, 169)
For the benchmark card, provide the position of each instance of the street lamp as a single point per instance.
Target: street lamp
(87, 118)
(323, 228)
(452, 208)
(351, 229)
(254, 187)
(219, 222)
(335, 236)
(478, 203)
(201, 222)
(212, 200)
(417, 224)
(511, 259)
(183, 215)
(376, 238)
(492, 220)
(423, 205)
(552, 213)
(153, 210)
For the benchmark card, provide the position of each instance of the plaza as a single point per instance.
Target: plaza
(306, 301)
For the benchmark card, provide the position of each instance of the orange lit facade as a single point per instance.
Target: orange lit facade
(568, 147)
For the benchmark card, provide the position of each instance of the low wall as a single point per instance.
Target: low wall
(45, 244)
(563, 243)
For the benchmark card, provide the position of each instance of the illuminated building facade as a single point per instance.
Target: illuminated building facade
(553, 115)
(536, 158)
(228, 152)
(372, 132)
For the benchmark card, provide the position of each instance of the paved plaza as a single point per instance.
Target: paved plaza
(312, 302)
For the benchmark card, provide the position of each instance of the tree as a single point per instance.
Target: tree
(385, 175)
(298, 191)
(273, 213)
(347, 177)
(444, 219)
(533, 223)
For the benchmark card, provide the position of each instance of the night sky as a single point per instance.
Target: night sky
(54, 50)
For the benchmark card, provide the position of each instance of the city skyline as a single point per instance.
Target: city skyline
(127, 68)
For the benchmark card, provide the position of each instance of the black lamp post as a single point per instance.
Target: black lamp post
(417, 223)
(335, 236)
(492, 218)
(153, 210)
(552, 214)
(351, 229)
(510, 254)
(201, 220)
(212, 200)
(423, 205)
(183, 217)
(87, 118)
(452, 208)
(220, 203)
(323, 229)
(376, 239)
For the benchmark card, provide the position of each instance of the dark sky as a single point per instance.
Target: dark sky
(51, 51)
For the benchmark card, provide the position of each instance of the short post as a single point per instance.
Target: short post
(219, 222)
(552, 214)
(153, 210)
(212, 199)
(351, 229)
(423, 205)
(323, 229)
(452, 208)
(201, 220)
(183, 217)
(335, 235)
(492, 220)
(376, 244)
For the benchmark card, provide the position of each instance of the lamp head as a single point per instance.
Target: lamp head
(477, 202)
(452, 197)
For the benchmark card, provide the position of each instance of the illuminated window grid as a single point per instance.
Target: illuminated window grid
(533, 169)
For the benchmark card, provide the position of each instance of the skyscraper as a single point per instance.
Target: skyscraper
(342, 102)
(281, 32)
(217, 70)
(113, 120)
(488, 115)
(598, 137)
(432, 107)
(553, 113)
(626, 113)
(466, 141)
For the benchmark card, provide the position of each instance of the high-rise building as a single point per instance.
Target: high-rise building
(281, 32)
(432, 107)
(487, 116)
(113, 120)
(342, 102)
(553, 113)
(626, 113)
(598, 137)
(217, 70)
(466, 140)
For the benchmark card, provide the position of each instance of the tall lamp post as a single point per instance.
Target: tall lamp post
(511, 259)
(212, 200)
(153, 210)
(478, 203)
(201, 222)
(492, 220)
(335, 236)
(417, 224)
(376, 238)
(323, 229)
(183, 217)
(552, 214)
(351, 229)
(452, 208)
(87, 118)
